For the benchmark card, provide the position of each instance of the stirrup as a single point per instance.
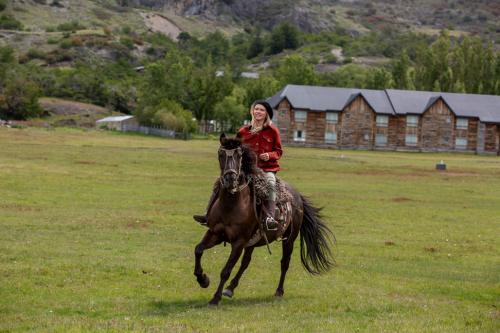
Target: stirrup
(270, 220)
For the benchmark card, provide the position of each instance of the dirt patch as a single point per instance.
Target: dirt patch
(139, 224)
(96, 163)
(56, 106)
(165, 202)
(430, 249)
(401, 199)
(161, 24)
(389, 243)
(20, 208)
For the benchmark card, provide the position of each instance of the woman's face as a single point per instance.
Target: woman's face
(259, 112)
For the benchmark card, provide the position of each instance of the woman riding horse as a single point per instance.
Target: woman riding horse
(233, 218)
(263, 138)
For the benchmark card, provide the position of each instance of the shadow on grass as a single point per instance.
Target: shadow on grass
(178, 306)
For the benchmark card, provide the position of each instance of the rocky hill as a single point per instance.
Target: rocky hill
(471, 16)
(475, 16)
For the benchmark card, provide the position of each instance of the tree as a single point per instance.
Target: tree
(264, 87)
(207, 89)
(401, 73)
(216, 46)
(19, 95)
(256, 46)
(379, 78)
(230, 111)
(169, 78)
(351, 76)
(283, 36)
(294, 69)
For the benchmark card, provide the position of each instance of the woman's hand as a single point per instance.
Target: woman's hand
(264, 157)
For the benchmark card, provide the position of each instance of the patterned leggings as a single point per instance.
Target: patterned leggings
(271, 178)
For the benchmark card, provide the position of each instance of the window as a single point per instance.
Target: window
(412, 121)
(299, 135)
(300, 116)
(382, 121)
(411, 139)
(331, 137)
(460, 143)
(462, 123)
(332, 117)
(381, 140)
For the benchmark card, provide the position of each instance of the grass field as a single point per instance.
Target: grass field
(96, 235)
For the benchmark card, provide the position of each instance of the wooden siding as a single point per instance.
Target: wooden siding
(357, 125)
(491, 140)
(438, 128)
(283, 120)
(356, 128)
(472, 134)
(315, 128)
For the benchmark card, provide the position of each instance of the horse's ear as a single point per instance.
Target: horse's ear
(222, 138)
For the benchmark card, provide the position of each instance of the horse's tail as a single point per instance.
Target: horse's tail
(316, 255)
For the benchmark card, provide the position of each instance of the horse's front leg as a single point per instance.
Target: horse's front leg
(247, 257)
(209, 240)
(236, 249)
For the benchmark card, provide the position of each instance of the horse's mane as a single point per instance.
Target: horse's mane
(249, 159)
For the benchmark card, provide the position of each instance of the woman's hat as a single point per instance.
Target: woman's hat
(265, 104)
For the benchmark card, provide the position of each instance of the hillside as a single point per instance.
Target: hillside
(111, 28)
(151, 56)
(476, 17)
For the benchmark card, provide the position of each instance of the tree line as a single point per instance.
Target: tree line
(198, 78)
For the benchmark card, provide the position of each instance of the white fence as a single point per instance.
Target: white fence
(166, 133)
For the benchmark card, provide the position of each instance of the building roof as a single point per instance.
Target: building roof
(114, 119)
(389, 101)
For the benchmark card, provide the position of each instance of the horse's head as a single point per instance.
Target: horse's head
(235, 160)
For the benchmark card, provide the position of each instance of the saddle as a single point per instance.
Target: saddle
(283, 212)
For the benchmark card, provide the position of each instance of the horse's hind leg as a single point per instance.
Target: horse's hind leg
(285, 263)
(247, 257)
(236, 249)
(209, 240)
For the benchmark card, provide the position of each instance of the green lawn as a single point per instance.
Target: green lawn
(96, 235)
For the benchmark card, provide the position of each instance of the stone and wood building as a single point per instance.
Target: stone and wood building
(346, 118)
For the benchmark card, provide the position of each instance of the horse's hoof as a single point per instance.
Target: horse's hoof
(227, 292)
(203, 281)
(213, 303)
(279, 293)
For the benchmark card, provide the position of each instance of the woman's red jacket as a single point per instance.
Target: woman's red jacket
(267, 140)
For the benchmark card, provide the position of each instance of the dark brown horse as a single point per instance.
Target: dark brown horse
(233, 218)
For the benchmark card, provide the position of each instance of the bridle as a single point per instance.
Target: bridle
(231, 156)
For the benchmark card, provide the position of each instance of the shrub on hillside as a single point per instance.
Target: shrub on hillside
(70, 26)
(3, 4)
(35, 54)
(127, 42)
(9, 22)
